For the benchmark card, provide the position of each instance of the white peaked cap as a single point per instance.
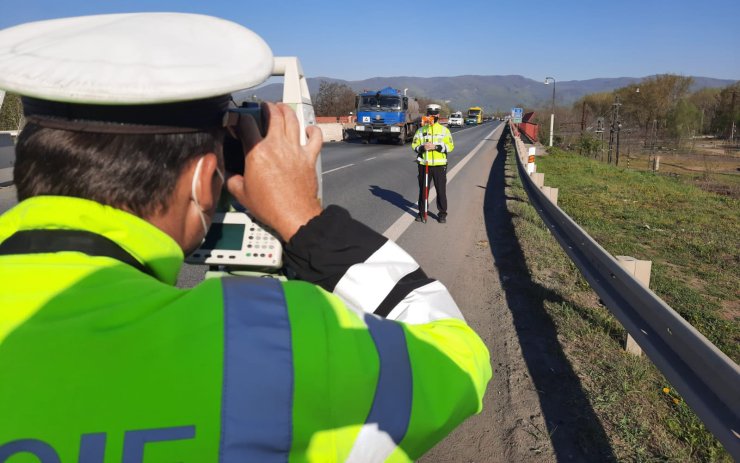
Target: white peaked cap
(130, 59)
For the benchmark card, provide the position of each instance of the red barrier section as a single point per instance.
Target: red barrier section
(530, 130)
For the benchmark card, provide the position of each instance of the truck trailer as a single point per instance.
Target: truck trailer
(386, 114)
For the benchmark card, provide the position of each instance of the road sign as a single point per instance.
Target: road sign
(516, 115)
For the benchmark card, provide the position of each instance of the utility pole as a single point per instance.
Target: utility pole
(611, 138)
(583, 117)
(600, 130)
(653, 139)
(619, 129)
(615, 126)
(617, 104)
(732, 117)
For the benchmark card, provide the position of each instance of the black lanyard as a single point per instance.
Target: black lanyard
(45, 241)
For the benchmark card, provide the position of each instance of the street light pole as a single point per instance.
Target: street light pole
(552, 112)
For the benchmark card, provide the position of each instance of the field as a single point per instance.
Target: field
(709, 164)
(687, 222)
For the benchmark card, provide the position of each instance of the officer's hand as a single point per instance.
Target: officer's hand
(429, 146)
(279, 184)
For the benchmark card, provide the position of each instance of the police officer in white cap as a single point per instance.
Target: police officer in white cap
(432, 143)
(119, 169)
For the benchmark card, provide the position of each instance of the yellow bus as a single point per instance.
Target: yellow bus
(475, 116)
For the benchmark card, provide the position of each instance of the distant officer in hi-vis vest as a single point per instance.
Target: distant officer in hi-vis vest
(359, 356)
(432, 142)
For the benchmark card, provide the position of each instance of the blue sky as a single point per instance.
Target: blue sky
(565, 39)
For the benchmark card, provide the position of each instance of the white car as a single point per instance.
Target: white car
(455, 120)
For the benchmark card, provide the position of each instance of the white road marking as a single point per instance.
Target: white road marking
(370, 159)
(332, 170)
(399, 226)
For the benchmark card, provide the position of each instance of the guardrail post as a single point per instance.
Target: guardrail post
(538, 179)
(640, 269)
(551, 193)
(546, 191)
(530, 160)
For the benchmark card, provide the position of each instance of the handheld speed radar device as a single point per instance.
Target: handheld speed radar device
(235, 240)
(233, 150)
(236, 243)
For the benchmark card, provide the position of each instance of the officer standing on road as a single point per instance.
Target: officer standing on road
(432, 142)
(118, 171)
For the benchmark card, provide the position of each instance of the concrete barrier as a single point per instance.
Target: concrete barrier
(331, 131)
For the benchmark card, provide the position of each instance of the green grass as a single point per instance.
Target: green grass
(691, 237)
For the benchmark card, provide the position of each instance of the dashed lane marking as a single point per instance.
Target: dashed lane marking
(334, 170)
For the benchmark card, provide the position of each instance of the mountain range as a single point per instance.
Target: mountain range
(493, 93)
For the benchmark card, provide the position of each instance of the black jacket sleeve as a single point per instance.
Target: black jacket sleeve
(361, 266)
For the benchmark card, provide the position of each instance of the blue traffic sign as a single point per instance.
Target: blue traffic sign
(516, 115)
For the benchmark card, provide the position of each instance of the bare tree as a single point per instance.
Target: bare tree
(683, 121)
(707, 101)
(656, 99)
(334, 99)
(596, 105)
(728, 111)
(444, 111)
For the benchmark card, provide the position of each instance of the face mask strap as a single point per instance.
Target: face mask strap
(194, 196)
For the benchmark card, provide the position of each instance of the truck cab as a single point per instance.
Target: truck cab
(475, 116)
(386, 114)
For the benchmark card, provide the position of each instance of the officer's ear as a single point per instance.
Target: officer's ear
(208, 182)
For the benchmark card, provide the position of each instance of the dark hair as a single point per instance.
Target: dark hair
(134, 172)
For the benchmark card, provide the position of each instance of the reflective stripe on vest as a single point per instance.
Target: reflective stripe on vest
(436, 138)
(257, 402)
(388, 420)
(258, 379)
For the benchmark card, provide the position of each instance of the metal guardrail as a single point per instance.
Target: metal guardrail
(708, 380)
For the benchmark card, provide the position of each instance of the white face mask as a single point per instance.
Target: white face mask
(194, 196)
